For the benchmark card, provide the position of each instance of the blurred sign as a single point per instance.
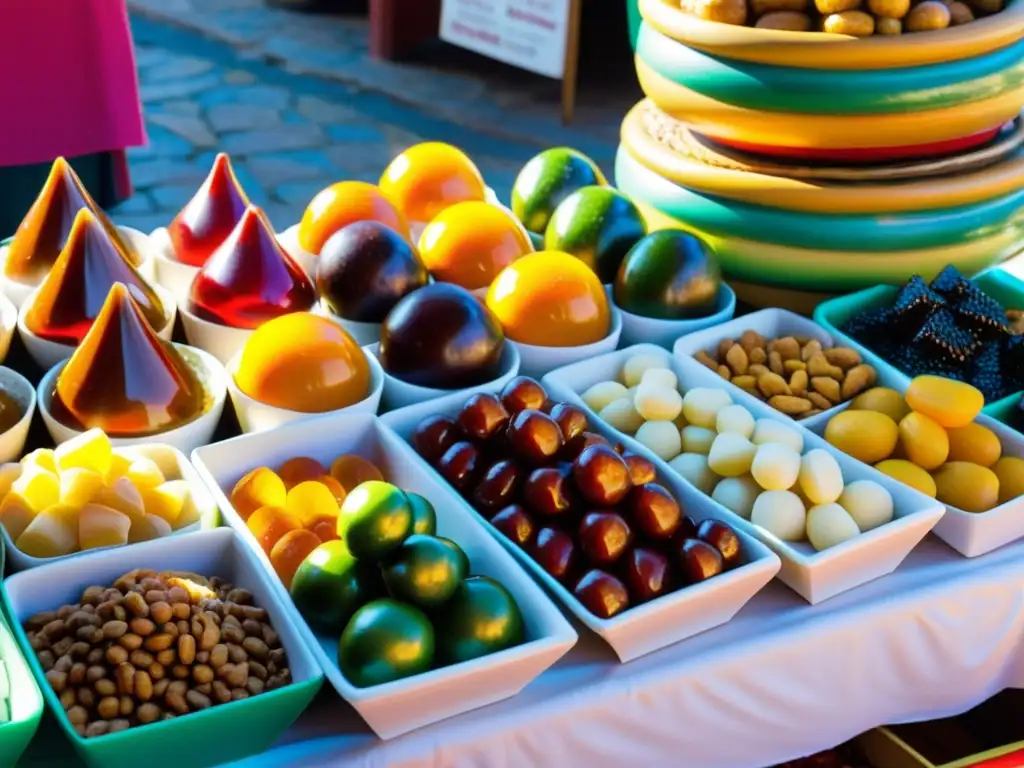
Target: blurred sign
(529, 34)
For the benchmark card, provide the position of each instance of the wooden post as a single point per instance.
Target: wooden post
(572, 61)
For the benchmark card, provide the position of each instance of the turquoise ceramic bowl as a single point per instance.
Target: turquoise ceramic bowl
(832, 314)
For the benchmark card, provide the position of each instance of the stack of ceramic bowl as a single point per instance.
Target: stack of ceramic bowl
(817, 163)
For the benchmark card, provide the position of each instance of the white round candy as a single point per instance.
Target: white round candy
(737, 494)
(698, 439)
(622, 416)
(603, 394)
(693, 467)
(776, 467)
(771, 431)
(661, 438)
(828, 525)
(821, 479)
(657, 403)
(735, 418)
(702, 404)
(869, 504)
(634, 368)
(781, 513)
(660, 377)
(731, 455)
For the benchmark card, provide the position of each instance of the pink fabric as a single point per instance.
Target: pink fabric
(67, 80)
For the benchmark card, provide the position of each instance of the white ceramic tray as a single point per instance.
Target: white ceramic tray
(661, 622)
(174, 466)
(652, 330)
(12, 442)
(815, 576)
(395, 708)
(535, 360)
(8, 325)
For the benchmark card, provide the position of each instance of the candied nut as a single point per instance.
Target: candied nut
(57, 680)
(108, 708)
(232, 633)
(176, 701)
(77, 674)
(257, 647)
(150, 583)
(160, 687)
(270, 636)
(116, 655)
(95, 656)
(79, 650)
(236, 654)
(745, 382)
(136, 605)
(239, 596)
(127, 705)
(751, 339)
(80, 619)
(858, 379)
(202, 674)
(775, 363)
(723, 349)
(255, 686)
(97, 728)
(197, 700)
(772, 384)
(794, 365)
(211, 632)
(707, 360)
(38, 642)
(221, 692)
(205, 688)
(166, 657)
(124, 676)
(46, 660)
(131, 641)
(94, 673)
(54, 630)
(43, 618)
(160, 612)
(159, 643)
(798, 383)
(86, 697)
(140, 659)
(809, 349)
(148, 713)
(237, 694)
(105, 687)
(183, 627)
(142, 627)
(181, 611)
(218, 656)
(186, 649)
(258, 670)
(790, 405)
(252, 628)
(114, 629)
(178, 594)
(118, 725)
(724, 372)
(827, 387)
(787, 347)
(65, 611)
(736, 358)
(820, 402)
(68, 698)
(180, 671)
(234, 675)
(844, 357)
(156, 671)
(278, 681)
(62, 646)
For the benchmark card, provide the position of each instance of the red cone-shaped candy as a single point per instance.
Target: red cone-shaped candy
(75, 290)
(44, 230)
(208, 218)
(250, 279)
(126, 380)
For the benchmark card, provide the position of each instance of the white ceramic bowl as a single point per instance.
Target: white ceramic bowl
(174, 466)
(8, 325)
(170, 273)
(395, 708)
(289, 240)
(48, 353)
(254, 416)
(12, 442)
(535, 361)
(364, 333)
(815, 576)
(652, 330)
(661, 622)
(221, 341)
(399, 394)
(197, 432)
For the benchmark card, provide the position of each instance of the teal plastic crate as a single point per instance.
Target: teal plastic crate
(26, 700)
(834, 313)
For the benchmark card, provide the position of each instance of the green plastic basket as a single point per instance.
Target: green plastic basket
(834, 313)
(26, 700)
(634, 19)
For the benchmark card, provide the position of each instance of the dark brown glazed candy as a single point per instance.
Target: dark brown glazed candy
(209, 217)
(648, 574)
(365, 268)
(555, 551)
(602, 594)
(697, 561)
(498, 486)
(602, 476)
(483, 416)
(75, 290)
(570, 419)
(654, 511)
(126, 380)
(44, 231)
(441, 336)
(641, 470)
(459, 465)
(534, 437)
(250, 279)
(604, 536)
(687, 530)
(724, 539)
(522, 393)
(580, 443)
(516, 523)
(10, 412)
(549, 491)
(435, 435)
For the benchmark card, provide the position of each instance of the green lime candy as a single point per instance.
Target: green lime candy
(330, 585)
(375, 519)
(481, 618)
(546, 180)
(425, 570)
(385, 641)
(424, 518)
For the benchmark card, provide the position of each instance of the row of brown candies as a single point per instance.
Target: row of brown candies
(591, 514)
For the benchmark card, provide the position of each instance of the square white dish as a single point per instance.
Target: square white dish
(815, 576)
(658, 623)
(404, 705)
(174, 466)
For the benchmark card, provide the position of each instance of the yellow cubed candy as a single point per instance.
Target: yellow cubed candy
(89, 450)
(144, 473)
(118, 468)
(167, 500)
(79, 486)
(100, 526)
(38, 486)
(42, 458)
(52, 533)
(123, 496)
(15, 514)
(147, 528)
(9, 472)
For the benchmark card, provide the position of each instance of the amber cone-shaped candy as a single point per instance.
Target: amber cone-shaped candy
(75, 290)
(45, 229)
(124, 379)
(208, 218)
(250, 279)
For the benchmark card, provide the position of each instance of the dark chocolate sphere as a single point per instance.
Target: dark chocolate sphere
(364, 269)
(441, 336)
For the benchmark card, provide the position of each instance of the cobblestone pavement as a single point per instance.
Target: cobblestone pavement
(298, 104)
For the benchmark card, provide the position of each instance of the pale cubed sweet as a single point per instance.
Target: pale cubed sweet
(123, 496)
(781, 513)
(828, 525)
(1010, 472)
(660, 377)
(737, 419)
(90, 450)
(697, 439)
(702, 404)
(15, 514)
(967, 486)
(44, 458)
(100, 526)
(38, 486)
(167, 500)
(771, 431)
(693, 467)
(9, 472)
(776, 467)
(731, 455)
(657, 403)
(869, 504)
(603, 393)
(52, 533)
(119, 464)
(661, 438)
(821, 478)
(633, 370)
(622, 415)
(79, 486)
(147, 528)
(144, 473)
(737, 494)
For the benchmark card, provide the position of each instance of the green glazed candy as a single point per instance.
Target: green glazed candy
(670, 275)
(385, 641)
(546, 180)
(480, 619)
(330, 585)
(425, 570)
(424, 518)
(375, 519)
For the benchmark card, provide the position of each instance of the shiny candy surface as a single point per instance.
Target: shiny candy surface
(249, 279)
(429, 177)
(550, 299)
(303, 362)
(75, 290)
(124, 379)
(546, 180)
(342, 204)
(209, 217)
(10, 412)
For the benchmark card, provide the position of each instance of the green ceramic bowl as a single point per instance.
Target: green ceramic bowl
(26, 700)
(832, 314)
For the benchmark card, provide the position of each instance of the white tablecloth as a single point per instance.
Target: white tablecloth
(782, 680)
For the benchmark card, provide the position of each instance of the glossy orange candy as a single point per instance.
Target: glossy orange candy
(208, 218)
(75, 290)
(550, 299)
(342, 204)
(350, 470)
(259, 488)
(299, 469)
(303, 362)
(470, 243)
(270, 524)
(289, 552)
(429, 177)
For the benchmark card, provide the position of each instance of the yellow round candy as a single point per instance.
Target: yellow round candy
(429, 177)
(866, 435)
(908, 473)
(950, 403)
(967, 486)
(550, 299)
(303, 362)
(925, 442)
(974, 443)
(884, 400)
(1010, 471)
